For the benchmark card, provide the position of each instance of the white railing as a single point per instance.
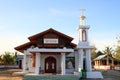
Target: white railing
(105, 67)
(117, 67)
(9, 66)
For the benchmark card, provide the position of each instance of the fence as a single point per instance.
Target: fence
(9, 66)
(105, 67)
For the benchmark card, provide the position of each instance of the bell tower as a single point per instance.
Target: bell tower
(84, 49)
(83, 30)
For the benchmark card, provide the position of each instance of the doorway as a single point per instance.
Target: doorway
(50, 65)
(20, 64)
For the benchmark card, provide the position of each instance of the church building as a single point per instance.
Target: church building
(51, 51)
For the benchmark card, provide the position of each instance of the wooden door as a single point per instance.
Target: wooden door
(20, 64)
(50, 65)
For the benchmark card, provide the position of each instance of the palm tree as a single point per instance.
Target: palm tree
(109, 52)
(8, 58)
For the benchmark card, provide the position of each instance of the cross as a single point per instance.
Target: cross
(82, 11)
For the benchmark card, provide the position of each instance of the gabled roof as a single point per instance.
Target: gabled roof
(104, 56)
(23, 46)
(100, 57)
(34, 37)
(72, 44)
(47, 31)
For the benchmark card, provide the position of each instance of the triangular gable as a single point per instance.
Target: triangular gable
(38, 40)
(47, 31)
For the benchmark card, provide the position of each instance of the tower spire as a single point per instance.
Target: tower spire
(83, 29)
(82, 17)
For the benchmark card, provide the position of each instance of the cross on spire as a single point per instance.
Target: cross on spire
(82, 17)
(82, 11)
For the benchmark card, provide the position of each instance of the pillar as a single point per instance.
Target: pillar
(94, 63)
(88, 60)
(80, 66)
(107, 60)
(63, 64)
(24, 61)
(97, 63)
(112, 61)
(37, 65)
(76, 60)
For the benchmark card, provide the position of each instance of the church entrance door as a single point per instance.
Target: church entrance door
(50, 65)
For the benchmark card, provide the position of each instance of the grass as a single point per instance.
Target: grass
(52, 77)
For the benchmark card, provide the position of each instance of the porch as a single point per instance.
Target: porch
(42, 61)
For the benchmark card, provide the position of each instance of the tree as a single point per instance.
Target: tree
(99, 53)
(109, 52)
(1, 61)
(8, 58)
(117, 56)
(93, 53)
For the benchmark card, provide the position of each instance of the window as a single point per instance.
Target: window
(84, 35)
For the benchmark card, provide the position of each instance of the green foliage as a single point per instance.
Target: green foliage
(99, 53)
(109, 51)
(93, 53)
(8, 58)
(117, 56)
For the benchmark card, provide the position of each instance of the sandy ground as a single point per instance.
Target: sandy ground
(10, 78)
(6, 74)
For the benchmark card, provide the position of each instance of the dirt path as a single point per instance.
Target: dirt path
(6, 74)
(10, 78)
(111, 75)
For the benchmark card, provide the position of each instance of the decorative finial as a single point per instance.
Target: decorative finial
(82, 11)
(82, 17)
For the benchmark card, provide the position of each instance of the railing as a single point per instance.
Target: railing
(9, 66)
(107, 67)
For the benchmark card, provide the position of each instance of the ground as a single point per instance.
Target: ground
(7, 74)
(111, 75)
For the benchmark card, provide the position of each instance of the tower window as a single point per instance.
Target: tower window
(84, 35)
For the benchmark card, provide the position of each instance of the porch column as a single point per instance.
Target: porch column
(24, 61)
(88, 60)
(80, 64)
(63, 63)
(97, 62)
(37, 66)
(112, 61)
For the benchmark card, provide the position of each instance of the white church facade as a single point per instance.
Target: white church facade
(51, 51)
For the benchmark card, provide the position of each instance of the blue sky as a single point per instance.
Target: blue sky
(20, 19)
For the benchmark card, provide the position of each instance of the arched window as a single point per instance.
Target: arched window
(84, 35)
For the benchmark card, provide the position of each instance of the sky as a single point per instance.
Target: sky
(20, 19)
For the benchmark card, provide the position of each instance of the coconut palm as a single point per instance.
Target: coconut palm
(109, 52)
(8, 58)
